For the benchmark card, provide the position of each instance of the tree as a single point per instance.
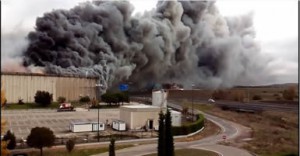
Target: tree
(40, 137)
(43, 98)
(289, 94)
(161, 135)
(85, 99)
(169, 134)
(4, 150)
(112, 147)
(10, 137)
(70, 145)
(61, 99)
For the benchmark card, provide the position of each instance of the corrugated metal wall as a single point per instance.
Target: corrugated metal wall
(25, 86)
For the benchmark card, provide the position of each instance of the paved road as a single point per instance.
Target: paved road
(229, 129)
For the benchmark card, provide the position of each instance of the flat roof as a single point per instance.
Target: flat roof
(87, 122)
(141, 108)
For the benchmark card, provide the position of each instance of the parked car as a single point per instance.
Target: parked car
(65, 107)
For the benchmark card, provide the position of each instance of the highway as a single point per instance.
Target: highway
(255, 106)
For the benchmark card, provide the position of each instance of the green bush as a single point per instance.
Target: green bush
(10, 137)
(43, 98)
(115, 98)
(61, 99)
(189, 128)
(85, 99)
(70, 145)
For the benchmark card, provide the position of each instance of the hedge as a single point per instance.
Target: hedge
(189, 128)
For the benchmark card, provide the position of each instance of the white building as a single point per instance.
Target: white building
(139, 116)
(86, 126)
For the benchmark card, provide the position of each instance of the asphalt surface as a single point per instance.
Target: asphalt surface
(20, 122)
(229, 129)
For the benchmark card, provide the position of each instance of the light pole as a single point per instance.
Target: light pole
(98, 135)
(193, 102)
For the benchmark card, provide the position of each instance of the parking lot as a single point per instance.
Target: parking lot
(22, 121)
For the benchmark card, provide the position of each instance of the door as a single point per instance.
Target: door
(150, 124)
(95, 127)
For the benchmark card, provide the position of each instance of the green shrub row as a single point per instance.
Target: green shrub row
(189, 128)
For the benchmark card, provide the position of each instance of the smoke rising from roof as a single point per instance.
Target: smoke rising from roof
(179, 41)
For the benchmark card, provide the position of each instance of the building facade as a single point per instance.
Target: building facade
(24, 86)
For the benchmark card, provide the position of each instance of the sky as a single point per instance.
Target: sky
(275, 22)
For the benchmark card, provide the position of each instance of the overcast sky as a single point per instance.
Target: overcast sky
(275, 22)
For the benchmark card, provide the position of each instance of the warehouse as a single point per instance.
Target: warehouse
(25, 85)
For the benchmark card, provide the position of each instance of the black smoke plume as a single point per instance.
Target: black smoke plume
(185, 42)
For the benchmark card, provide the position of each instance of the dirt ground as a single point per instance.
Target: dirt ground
(274, 133)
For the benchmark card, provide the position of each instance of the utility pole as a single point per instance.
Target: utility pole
(97, 97)
(193, 102)
(98, 136)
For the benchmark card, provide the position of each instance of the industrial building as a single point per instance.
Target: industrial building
(138, 116)
(25, 85)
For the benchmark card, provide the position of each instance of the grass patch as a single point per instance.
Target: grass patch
(53, 105)
(14, 106)
(75, 152)
(190, 152)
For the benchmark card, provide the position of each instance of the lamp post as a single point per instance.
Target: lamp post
(98, 135)
(193, 102)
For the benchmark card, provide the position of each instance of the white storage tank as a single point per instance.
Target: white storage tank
(159, 98)
(176, 118)
(119, 125)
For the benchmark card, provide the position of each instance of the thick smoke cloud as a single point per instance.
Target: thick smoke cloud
(179, 41)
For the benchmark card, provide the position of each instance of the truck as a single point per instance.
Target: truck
(65, 107)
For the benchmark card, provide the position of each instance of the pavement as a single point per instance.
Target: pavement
(229, 129)
(22, 121)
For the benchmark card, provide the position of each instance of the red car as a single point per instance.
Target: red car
(65, 107)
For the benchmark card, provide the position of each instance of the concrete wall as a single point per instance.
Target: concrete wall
(24, 86)
(140, 119)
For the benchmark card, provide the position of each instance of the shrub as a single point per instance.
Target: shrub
(115, 98)
(43, 98)
(70, 145)
(20, 102)
(61, 99)
(85, 99)
(256, 97)
(289, 94)
(189, 128)
(10, 137)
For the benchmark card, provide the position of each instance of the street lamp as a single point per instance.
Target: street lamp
(98, 135)
(193, 102)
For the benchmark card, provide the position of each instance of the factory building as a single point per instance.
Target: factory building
(24, 86)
